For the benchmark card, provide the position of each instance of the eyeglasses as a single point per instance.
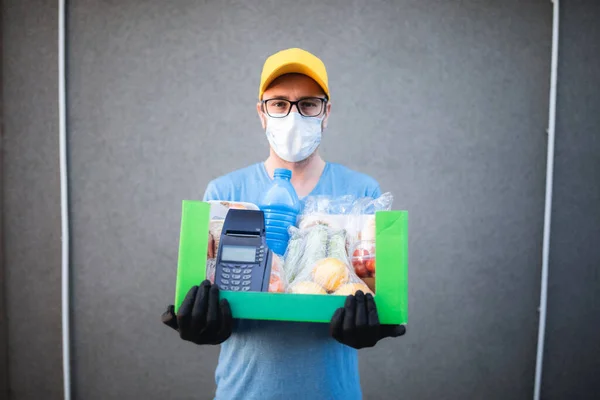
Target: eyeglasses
(307, 107)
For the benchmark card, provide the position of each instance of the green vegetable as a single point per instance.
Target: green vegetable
(293, 257)
(337, 245)
(316, 246)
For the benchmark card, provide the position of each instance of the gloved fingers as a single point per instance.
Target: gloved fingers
(200, 308)
(169, 318)
(184, 314)
(392, 331)
(361, 321)
(212, 315)
(225, 322)
(349, 324)
(372, 315)
(335, 326)
(371, 332)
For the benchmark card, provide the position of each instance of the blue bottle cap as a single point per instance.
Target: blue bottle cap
(282, 173)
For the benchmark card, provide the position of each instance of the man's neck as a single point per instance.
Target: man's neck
(305, 174)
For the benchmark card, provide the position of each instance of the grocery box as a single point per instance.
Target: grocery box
(391, 285)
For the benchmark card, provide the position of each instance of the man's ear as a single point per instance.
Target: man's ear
(261, 115)
(326, 117)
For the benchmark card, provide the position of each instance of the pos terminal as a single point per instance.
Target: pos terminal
(243, 258)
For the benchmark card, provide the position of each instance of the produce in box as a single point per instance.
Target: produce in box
(356, 218)
(331, 252)
(324, 267)
(277, 283)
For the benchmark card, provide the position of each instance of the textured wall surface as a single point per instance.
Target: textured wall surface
(450, 100)
(31, 198)
(572, 356)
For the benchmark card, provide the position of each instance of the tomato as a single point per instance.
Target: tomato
(360, 269)
(370, 265)
(276, 285)
(211, 246)
(361, 253)
(358, 262)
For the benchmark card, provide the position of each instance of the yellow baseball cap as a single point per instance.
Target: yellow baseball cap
(293, 61)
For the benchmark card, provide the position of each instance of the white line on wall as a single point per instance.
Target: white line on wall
(548, 205)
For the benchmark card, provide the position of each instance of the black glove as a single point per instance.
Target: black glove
(357, 324)
(202, 318)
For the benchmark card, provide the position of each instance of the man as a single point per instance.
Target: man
(283, 360)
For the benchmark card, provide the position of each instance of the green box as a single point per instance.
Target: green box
(391, 294)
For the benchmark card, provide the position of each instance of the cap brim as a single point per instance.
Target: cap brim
(293, 68)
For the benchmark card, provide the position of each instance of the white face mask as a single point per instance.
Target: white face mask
(294, 138)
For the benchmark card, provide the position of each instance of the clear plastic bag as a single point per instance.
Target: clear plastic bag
(328, 205)
(278, 281)
(325, 210)
(363, 258)
(325, 267)
(361, 243)
(219, 208)
(215, 226)
(211, 264)
(294, 253)
(352, 219)
(346, 212)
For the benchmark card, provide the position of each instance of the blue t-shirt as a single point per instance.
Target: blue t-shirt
(264, 360)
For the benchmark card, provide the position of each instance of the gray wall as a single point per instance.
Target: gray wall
(31, 197)
(572, 356)
(452, 98)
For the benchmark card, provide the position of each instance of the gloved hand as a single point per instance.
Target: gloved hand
(202, 318)
(357, 323)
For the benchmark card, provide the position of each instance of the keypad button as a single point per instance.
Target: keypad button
(236, 276)
(235, 282)
(226, 276)
(246, 288)
(223, 287)
(237, 271)
(247, 277)
(225, 269)
(246, 283)
(247, 271)
(225, 281)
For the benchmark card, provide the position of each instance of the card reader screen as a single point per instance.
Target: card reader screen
(238, 253)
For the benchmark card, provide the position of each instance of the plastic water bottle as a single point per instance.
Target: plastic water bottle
(281, 207)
